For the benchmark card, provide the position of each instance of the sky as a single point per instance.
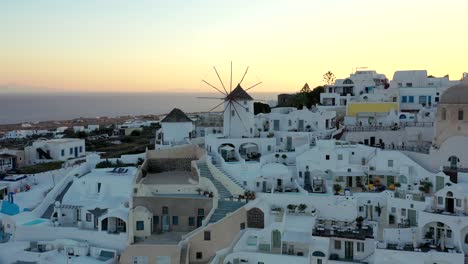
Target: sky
(170, 46)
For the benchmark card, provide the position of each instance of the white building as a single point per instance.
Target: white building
(418, 90)
(176, 129)
(361, 85)
(16, 134)
(239, 118)
(55, 150)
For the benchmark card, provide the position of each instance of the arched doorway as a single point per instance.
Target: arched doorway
(113, 225)
(255, 218)
(464, 239)
(249, 151)
(228, 152)
(438, 234)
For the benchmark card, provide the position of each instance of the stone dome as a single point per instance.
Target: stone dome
(457, 94)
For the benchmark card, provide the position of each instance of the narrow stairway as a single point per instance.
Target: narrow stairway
(48, 213)
(224, 207)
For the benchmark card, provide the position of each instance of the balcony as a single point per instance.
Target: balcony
(343, 230)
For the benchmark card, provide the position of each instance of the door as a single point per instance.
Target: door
(412, 217)
(264, 186)
(276, 125)
(301, 125)
(276, 239)
(104, 224)
(449, 203)
(372, 141)
(349, 249)
(349, 181)
(165, 223)
(76, 152)
(289, 143)
(439, 183)
(279, 183)
(307, 184)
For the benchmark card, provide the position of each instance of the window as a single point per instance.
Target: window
(99, 187)
(337, 244)
(289, 122)
(300, 174)
(140, 260)
(390, 163)
(246, 109)
(81, 149)
(269, 148)
(440, 200)
(409, 84)
(88, 217)
(175, 220)
(410, 99)
(71, 151)
(165, 210)
(191, 221)
(199, 255)
(458, 202)
(319, 261)
(422, 99)
(393, 210)
(436, 99)
(155, 220)
(140, 225)
(340, 156)
(352, 153)
(466, 239)
(449, 233)
(360, 247)
(63, 152)
(207, 235)
(78, 215)
(201, 211)
(460, 114)
(327, 157)
(404, 99)
(233, 113)
(242, 226)
(403, 212)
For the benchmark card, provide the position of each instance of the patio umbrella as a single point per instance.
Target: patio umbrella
(250, 145)
(226, 147)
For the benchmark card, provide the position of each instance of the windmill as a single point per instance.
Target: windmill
(238, 106)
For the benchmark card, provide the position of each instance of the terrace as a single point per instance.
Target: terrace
(342, 230)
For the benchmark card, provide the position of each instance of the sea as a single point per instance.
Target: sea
(21, 108)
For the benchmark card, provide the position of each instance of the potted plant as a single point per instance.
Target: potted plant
(284, 157)
(277, 155)
(425, 186)
(292, 208)
(199, 191)
(359, 221)
(302, 208)
(337, 188)
(397, 185)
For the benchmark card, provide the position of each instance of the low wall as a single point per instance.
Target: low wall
(221, 177)
(94, 238)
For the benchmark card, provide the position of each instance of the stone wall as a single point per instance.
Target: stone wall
(167, 164)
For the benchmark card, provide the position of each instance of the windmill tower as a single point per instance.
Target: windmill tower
(239, 119)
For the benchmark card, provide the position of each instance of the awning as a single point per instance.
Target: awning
(227, 147)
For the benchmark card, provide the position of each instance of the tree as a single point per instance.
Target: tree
(135, 133)
(302, 208)
(261, 108)
(329, 78)
(306, 88)
(337, 188)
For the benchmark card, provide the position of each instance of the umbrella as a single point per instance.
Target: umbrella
(226, 147)
(250, 145)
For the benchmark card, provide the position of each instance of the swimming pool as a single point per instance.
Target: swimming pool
(35, 222)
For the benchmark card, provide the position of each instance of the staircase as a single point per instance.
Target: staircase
(206, 173)
(183, 254)
(42, 154)
(48, 213)
(466, 259)
(230, 177)
(224, 207)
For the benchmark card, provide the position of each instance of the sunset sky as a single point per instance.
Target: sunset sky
(154, 46)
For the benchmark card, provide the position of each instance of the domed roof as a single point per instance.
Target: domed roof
(457, 94)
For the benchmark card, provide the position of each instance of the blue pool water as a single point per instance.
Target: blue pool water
(35, 222)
